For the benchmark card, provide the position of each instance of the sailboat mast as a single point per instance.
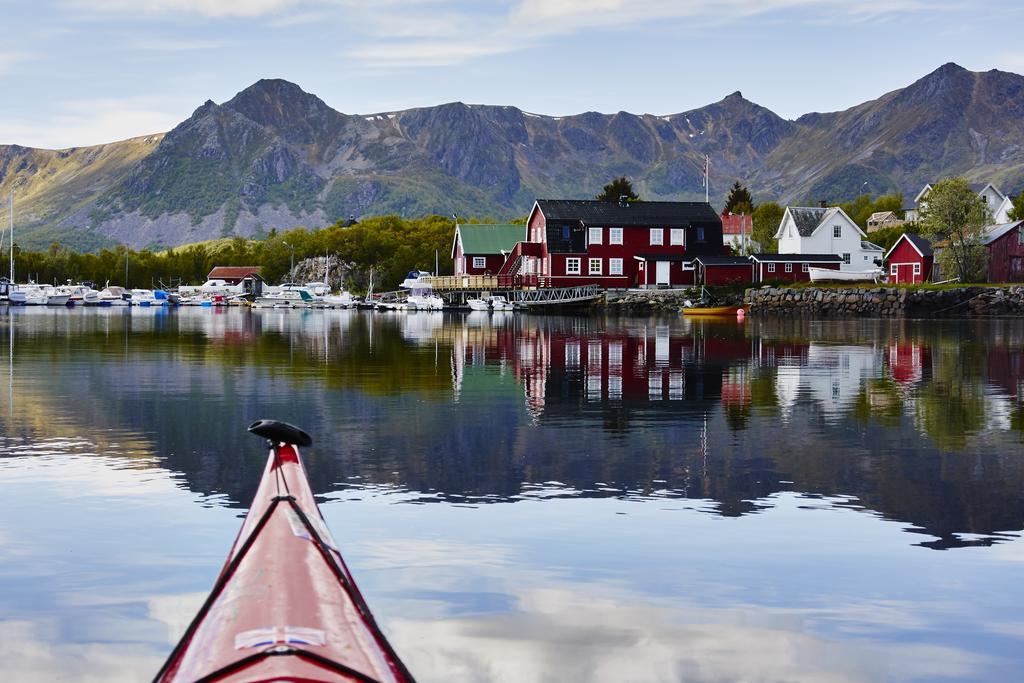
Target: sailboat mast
(12, 236)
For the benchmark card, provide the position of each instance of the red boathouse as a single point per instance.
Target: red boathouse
(910, 260)
(1005, 244)
(616, 244)
(791, 267)
(482, 249)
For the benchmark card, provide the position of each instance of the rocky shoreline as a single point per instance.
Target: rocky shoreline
(666, 300)
(957, 302)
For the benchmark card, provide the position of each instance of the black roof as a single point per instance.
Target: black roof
(797, 258)
(807, 219)
(923, 245)
(641, 214)
(723, 260)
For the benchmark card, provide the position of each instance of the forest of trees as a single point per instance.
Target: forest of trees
(390, 245)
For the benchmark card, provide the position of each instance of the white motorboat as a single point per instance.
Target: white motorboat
(286, 298)
(826, 274)
(113, 296)
(43, 295)
(490, 303)
(340, 300)
(421, 292)
(10, 293)
(211, 287)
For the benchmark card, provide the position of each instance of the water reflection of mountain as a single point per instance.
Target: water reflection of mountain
(919, 422)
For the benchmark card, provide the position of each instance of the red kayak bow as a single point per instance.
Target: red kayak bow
(284, 606)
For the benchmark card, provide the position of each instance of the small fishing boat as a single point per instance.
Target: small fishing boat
(284, 606)
(712, 310)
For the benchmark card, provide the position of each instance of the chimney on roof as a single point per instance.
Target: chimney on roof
(623, 200)
(822, 204)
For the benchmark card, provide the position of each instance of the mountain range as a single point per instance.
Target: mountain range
(275, 156)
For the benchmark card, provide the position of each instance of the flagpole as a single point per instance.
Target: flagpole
(707, 177)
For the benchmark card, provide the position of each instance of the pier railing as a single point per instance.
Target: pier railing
(489, 282)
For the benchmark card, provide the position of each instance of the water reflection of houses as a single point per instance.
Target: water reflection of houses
(586, 363)
(832, 376)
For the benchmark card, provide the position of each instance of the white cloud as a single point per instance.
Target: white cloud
(411, 38)
(81, 123)
(208, 8)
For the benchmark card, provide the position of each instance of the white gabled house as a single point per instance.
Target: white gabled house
(995, 200)
(1002, 214)
(827, 230)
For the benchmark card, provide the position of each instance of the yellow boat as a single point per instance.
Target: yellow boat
(712, 310)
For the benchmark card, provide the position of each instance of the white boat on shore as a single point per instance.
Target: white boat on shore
(827, 275)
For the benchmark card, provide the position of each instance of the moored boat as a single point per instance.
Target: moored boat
(284, 606)
(712, 310)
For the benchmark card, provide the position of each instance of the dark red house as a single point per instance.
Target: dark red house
(791, 267)
(1005, 244)
(910, 260)
(617, 244)
(233, 274)
(482, 249)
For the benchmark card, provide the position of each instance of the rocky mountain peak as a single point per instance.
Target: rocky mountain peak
(287, 109)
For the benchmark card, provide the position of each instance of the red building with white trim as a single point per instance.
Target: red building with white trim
(1005, 244)
(791, 267)
(910, 260)
(616, 244)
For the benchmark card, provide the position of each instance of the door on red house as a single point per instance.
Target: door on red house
(1017, 268)
(905, 273)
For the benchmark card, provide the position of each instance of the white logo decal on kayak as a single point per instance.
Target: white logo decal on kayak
(292, 635)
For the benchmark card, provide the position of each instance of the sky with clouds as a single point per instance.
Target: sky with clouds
(79, 72)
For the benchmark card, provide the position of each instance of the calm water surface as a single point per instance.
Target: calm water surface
(530, 498)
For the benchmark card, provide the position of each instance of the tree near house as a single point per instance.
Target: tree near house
(1017, 212)
(767, 217)
(620, 187)
(956, 214)
(739, 200)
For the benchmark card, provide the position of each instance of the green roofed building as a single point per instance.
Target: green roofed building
(480, 249)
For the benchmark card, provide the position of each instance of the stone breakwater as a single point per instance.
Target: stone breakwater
(665, 300)
(959, 302)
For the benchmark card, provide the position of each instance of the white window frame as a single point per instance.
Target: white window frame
(615, 266)
(479, 261)
(657, 236)
(771, 267)
(572, 266)
(893, 269)
(837, 231)
(614, 235)
(805, 268)
(846, 258)
(917, 269)
(789, 267)
(595, 235)
(594, 266)
(677, 237)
